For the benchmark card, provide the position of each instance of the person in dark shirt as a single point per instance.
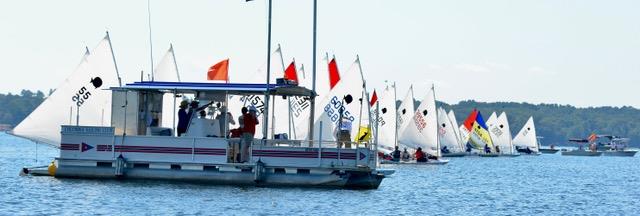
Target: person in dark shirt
(396, 154)
(183, 118)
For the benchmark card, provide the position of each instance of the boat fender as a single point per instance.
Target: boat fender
(51, 169)
(259, 172)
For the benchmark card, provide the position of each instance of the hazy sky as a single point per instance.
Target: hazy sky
(579, 52)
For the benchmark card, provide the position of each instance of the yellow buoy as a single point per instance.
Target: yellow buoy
(52, 168)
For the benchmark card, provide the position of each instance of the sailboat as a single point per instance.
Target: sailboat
(525, 141)
(456, 130)
(404, 114)
(475, 131)
(386, 120)
(422, 129)
(448, 138)
(501, 136)
(83, 94)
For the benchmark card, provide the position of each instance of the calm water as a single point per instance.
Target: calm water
(546, 185)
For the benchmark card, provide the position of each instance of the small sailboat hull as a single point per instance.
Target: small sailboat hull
(581, 153)
(457, 154)
(620, 153)
(548, 151)
(413, 162)
(489, 155)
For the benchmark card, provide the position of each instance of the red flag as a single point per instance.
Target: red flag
(290, 73)
(374, 98)
(468, 123)
(219, 71)
(334, 75)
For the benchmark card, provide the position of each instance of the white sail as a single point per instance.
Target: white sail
(346, 93)
(446, 131)
(83, 98)
(167, 71)
(236, 102)
(454, 122)
(405, 111)
(527, 136)
(386, 119)
(422, 129)
(501, 134)
(492, 119)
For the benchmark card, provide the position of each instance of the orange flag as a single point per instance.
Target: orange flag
(334, 75)
(219, 71)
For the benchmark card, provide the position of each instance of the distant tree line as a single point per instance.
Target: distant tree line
(556, 123)
(15, 107)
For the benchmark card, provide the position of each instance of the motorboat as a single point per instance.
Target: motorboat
(134, 146)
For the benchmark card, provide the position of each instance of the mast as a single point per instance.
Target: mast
(175, 63)
(364, 89)
(150, 41)
(433, 90)
(114, 60)
(313, 97)
(266, 93)
(395, 99)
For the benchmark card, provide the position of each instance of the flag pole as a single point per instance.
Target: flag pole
(266, 93)
(313, 88)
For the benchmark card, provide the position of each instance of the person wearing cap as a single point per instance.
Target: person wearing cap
(250, 120)
(183, 118)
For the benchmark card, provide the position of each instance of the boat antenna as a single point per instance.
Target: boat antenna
(150, 41)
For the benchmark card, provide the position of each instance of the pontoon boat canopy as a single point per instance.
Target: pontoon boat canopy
(229, 88)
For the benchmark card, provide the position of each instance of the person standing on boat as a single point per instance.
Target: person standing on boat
(344, 133)
(222, 120)
(250, 120)
(396, 155)
(183, 118)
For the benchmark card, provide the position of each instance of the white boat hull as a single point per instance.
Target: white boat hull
(581, 153)
(101, 155)
(620, 153)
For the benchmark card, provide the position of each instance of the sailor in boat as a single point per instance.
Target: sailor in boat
(445, 150)
(487, 149)
(498, 149)
(250, 120)
(405, 155)
(420, 155)
(396, 155)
